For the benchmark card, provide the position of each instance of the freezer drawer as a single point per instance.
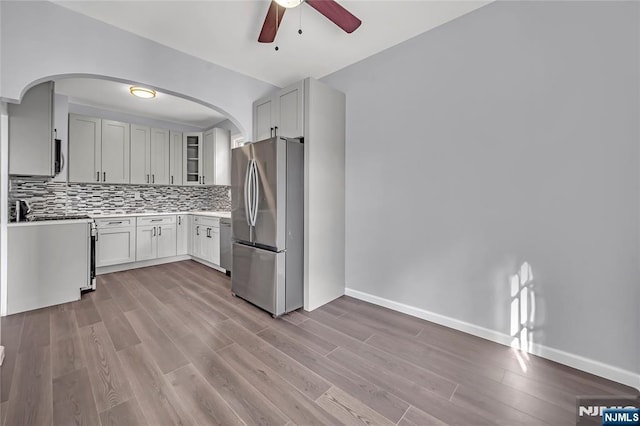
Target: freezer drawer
(259, 277)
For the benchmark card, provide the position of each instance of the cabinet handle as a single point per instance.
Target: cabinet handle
(104, 176)
(97, 176)
(179, 220)
(276, 130)
(271, 132)
(156, 220)
(197, 230)
(154, 232)
(159, 231)
(115, 223)
(203, 180)
(147, 178)
(171, 180)
(97, 233)
(208, 232)
(153, 178)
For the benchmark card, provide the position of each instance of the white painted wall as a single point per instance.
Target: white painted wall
(41, 39)
(130, 118)
(509, 135)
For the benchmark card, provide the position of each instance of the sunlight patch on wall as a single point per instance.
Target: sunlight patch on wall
(522, 312)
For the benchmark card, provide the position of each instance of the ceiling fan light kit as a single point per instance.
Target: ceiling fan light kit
(329, 8)
(289, 3)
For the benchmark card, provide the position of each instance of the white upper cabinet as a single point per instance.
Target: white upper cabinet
(208, 160)
(107, 151)
(175, 158)
(222, 157)
(281, 114)
(98, 150)
(31, 149)
(160, 153)
(85, 148)
(149, 155)
(192, 158)
(263, 118)
(140, 154)
(290, 111)
(115, 151)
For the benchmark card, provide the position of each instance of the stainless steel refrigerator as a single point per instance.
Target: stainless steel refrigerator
(267, 198)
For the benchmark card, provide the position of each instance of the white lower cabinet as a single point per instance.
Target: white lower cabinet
(206, 239)
(156, 237)
(166, 240)
(116, 241)
(182, 234)
(146, 245)
(135, 239)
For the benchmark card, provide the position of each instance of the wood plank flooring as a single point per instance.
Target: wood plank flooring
(169, 345)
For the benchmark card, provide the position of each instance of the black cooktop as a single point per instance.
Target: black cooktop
(65, 217)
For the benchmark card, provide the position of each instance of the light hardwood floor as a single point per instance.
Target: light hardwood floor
(169, 345)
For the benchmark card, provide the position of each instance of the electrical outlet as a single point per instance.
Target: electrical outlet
(136, 195)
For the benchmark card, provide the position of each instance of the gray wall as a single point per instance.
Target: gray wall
(41, 39)
(228, 125)
(509, 135)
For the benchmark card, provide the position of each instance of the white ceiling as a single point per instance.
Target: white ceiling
(226, 32)
(115, 96)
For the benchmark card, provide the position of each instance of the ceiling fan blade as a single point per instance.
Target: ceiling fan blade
(271, 23)
(336, 14)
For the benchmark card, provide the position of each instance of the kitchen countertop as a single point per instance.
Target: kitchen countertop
(47, 222)
(198, 213)
(219, 214)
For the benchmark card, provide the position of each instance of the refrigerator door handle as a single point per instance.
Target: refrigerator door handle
(254, 212)
(247, 184)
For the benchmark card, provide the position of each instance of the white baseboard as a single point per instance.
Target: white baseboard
(154, 262)
(209, 264)
(598, 368)
(142, 264)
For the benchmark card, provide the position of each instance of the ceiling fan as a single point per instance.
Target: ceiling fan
(329, 8)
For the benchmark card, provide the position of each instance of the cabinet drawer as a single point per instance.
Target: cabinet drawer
(206, 221)
(156, 220)
(115, 222)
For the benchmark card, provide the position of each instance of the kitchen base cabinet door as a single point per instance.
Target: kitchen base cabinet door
(115, 246)
(182, 235)
(166, 240)
(214, 246)
(146, 246)
(196, 241)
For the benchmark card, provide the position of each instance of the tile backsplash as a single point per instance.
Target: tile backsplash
(59, 198)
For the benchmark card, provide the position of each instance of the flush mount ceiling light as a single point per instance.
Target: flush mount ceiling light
(289, 3)
(142, 92)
